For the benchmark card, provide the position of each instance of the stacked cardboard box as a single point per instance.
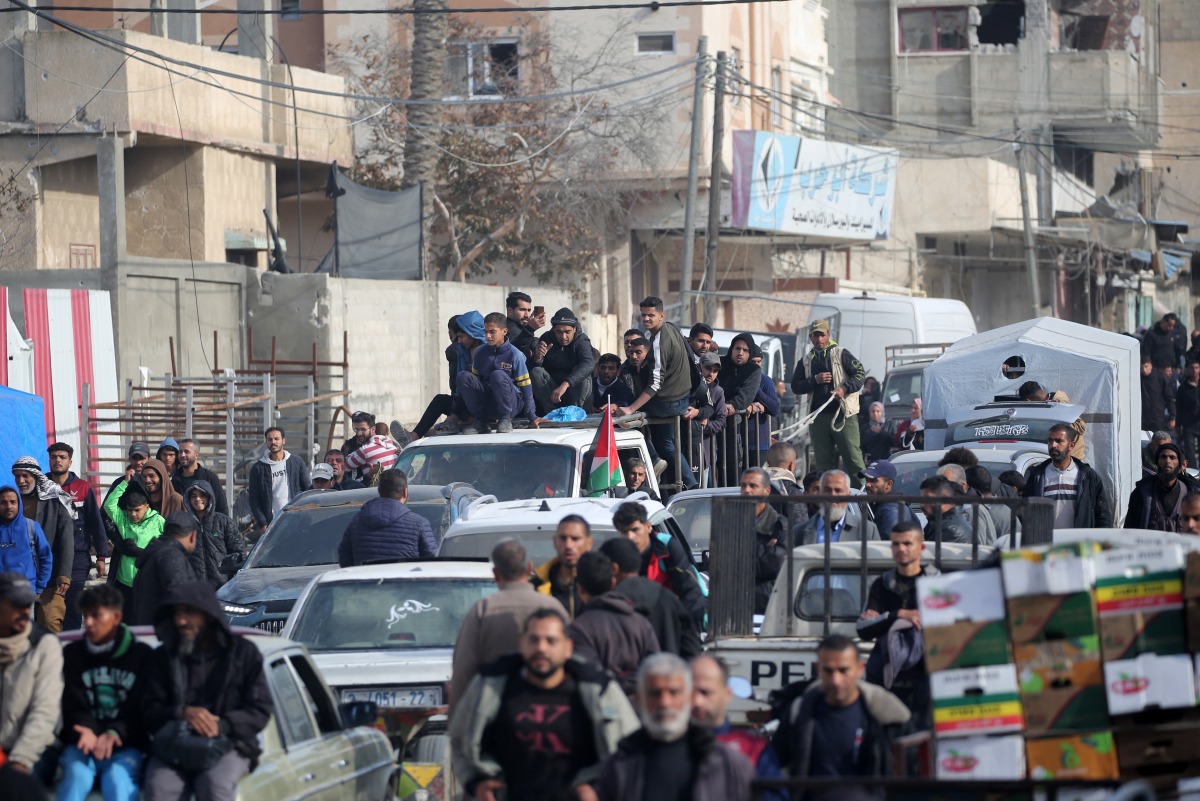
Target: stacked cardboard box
(973, 682)
(1099, 649)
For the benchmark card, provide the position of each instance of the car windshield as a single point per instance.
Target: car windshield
(901, 388)
(387, 614)
(910, 474)
(1000, 428)
(510, 472)
(847, 599)
(539, 543)
(302, 536)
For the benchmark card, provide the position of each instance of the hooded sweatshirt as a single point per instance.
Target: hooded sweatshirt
(217, 536)
(224, 674)
(740, 382)
(471, 324)
(134, 536)
(101, 689)
(171, 501)
(164, 564)
(609, 631)
(572, 363)
(22, 553)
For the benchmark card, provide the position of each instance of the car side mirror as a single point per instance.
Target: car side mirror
(231, 563)
(359, 713)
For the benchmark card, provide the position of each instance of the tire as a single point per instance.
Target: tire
(435, 749)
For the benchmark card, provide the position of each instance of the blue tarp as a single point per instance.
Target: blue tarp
(23, 432)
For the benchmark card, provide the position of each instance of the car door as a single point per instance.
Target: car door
(319, 764)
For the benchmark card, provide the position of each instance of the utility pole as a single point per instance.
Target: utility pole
(712, 231)
(1030, 246)
(687, 302)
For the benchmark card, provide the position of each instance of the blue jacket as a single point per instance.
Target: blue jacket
(17, 548)
(510, 360)
(386, 529)
(761, 440)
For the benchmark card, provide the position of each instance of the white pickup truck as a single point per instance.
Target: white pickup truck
(785, 651)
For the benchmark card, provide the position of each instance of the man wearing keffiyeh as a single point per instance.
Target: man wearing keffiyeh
(45, 503)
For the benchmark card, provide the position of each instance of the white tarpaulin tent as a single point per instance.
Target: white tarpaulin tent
(1097, 369)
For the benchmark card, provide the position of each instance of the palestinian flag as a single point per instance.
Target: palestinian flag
(606, 467)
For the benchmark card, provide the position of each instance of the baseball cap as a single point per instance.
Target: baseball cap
(139, 449)
(16, 589)
(819, 325)
(179, 523)
(324, 471)
(710, 360)
(879, 468)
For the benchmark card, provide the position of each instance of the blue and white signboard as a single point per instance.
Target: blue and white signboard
(809, 187)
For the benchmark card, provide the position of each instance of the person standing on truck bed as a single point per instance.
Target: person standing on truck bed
(892, 620)
(827, 370)
(556, 577)
(842, 726)
(1076, 489)
(663, 559)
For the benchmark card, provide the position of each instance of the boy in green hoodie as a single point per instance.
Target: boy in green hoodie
(129, 509)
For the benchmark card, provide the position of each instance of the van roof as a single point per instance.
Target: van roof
(542, 513)
(580, 437)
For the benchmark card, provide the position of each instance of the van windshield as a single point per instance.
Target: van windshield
(509, 471)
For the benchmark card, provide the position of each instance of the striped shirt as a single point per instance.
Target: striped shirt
(1062, 487)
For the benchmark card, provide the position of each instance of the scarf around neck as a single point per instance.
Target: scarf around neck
(45, 487)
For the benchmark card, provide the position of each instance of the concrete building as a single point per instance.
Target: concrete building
(954, 81)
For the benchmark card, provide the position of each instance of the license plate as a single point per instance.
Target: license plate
(395, 697)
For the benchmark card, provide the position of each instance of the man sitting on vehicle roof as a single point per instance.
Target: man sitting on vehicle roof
(663, 559)
(1032, 391)
(563, 361)
(1080, 500)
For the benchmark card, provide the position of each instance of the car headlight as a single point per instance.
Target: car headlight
(234, 609)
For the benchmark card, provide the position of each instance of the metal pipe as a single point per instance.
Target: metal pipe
(828, 569)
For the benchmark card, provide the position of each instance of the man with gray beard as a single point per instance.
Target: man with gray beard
(671, 758)
(840, 527)
(203, 680)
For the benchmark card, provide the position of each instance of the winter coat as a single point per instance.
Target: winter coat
(573, 363)
(853, 530)
(619, 392)
(886, 715)
(522, 337)
(768, 559)
(23, 548)
(1157, 395)
(1187, 405)
(183, 483)
(602, 699)
(260, 491)
(103, 692)
(1146, 512)
(546, 581)
(383, 530)
(671, 377)
(721, 772)
(673, 626)
(740, 382)
(804, 384)
(956, 527)
(492, 629)
(760, 435)
(216, 537)
(666, 563)
(134, 537)
(171, 501)
(58, 526)
(31, 691)
(1161, 347)
(163, 565)
(610, 632)
(237, 690)
(89, 522)
(1092, 509)
(889, 513)
(886, 598)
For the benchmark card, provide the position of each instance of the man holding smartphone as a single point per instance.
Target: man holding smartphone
(524, 319)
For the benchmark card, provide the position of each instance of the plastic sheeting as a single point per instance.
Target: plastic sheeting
(23, 432)
(378, 233)
(1097, 369)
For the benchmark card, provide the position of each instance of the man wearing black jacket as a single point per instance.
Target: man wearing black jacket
(773, 535)
(740, 379)
(522, 324)
(1160, 344)
(102, 731)
(1156, 502)
(165, 563)
(224, 695)
(829, 373)
(89, 529)
(563, 361)
(608, 630)
(1078, 493)
(892, 600)
(673, 626)
(1158, 398)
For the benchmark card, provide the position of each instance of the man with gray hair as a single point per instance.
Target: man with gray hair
(672, 757)
(841, 526)
(493, 626)
(980, 516)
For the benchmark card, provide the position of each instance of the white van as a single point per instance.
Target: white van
(867, 324)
